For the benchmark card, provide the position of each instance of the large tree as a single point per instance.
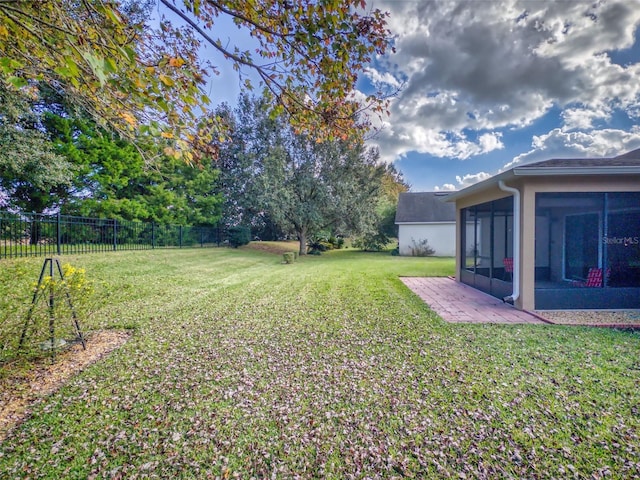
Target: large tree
(253, 133)
(113, 180)
(32, 175)
(271, 173)
(311, 187)
(384, 228)
(107, 59)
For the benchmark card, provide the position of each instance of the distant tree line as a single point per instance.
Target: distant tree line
(55, 159)
(104, 112)
(266, 176)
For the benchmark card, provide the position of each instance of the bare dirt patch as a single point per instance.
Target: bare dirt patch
(20, 390)
(277, 248)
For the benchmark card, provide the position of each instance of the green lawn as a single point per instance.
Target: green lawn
(242, 366)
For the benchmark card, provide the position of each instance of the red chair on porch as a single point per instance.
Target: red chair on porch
(508, 268)
(594, 279)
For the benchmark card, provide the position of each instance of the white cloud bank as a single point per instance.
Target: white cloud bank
(464, 181)
(564, 144)
(472, 69)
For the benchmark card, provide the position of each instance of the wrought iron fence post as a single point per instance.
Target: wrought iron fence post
(115, 235)
(180, 236)
(202, 237)
(153, 234)
(58, 234)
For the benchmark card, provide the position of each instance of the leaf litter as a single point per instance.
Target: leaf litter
(18, 392)
(342, 375)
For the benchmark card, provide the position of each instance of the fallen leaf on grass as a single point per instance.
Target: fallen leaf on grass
(18, 395)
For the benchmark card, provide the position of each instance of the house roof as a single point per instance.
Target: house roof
(625, 164)
(424, 207)
(629, 159)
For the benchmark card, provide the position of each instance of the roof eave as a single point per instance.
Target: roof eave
(480, 186)
(602, 170)
(541, 172)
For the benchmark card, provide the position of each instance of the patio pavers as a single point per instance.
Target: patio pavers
(458, 303)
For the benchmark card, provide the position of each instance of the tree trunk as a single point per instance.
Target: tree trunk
(302, 236)
(35, 231)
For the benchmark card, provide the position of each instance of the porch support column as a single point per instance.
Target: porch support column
(528, 249)
(515, 295)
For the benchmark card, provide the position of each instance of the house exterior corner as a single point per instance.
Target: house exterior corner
(579, 234)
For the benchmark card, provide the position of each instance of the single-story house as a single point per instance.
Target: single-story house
(423, 219)
(556, 234)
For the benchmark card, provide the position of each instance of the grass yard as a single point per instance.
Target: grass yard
(241, 366)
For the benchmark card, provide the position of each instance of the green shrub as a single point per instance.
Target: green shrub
(289, 257)
(372, 242)
(239, 236)
(333, 242)
(421, 248)
(318, 244)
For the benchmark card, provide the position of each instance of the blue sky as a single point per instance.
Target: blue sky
(488, 84)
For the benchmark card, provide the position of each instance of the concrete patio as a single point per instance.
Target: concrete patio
(458, 303)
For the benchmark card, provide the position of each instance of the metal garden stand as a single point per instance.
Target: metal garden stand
(48, 265)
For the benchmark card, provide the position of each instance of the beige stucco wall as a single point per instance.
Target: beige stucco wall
(528, 187)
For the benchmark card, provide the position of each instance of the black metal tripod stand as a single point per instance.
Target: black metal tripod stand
(40, 292)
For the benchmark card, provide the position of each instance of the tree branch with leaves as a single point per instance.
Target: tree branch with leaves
(140, 76)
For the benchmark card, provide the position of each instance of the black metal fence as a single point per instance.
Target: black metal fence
(23, 235)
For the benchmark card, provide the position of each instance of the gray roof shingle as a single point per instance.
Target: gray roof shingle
(629, 159)
(424, 207)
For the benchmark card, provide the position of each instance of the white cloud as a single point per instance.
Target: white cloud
(447, 187)
(634, 112)
(487, 66)
(583, 118)
(470, 179)
(563, 144)
(489, 142)
(560, 143)
(395, 142)
(382, 79)
(464, 181)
